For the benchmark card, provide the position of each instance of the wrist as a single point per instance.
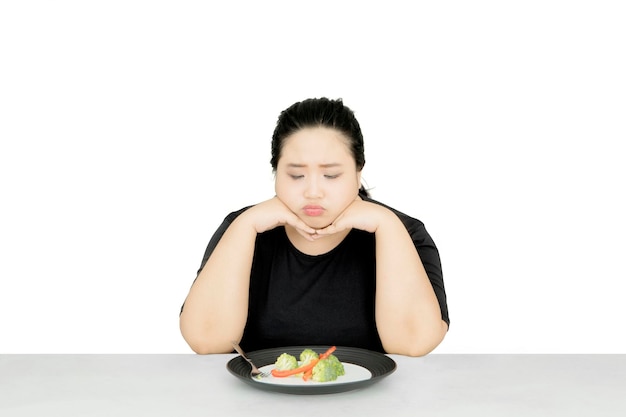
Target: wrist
(246, 223)
(387, 221)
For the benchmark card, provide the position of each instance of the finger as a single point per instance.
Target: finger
(304, 228)
(308, 234)
(300, 225)
(329, 230)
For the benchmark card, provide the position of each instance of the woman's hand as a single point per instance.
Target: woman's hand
(360, 215)
(273, 213)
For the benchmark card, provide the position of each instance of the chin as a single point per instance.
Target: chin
(317, 223)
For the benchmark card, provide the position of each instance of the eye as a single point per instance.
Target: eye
(296, 177)
(331, 177)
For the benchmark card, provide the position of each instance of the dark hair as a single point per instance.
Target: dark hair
(320, 112)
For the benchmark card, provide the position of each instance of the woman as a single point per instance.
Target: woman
(320, 263)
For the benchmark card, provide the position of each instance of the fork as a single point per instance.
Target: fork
(254, 372)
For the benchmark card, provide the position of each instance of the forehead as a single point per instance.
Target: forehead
(320, 145)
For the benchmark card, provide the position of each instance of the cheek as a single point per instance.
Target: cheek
(352, 187)
(283, 190)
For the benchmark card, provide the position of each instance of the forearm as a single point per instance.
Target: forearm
(216, 308)
(408, 315)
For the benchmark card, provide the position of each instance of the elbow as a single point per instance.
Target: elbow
(197, 346)
(417, 343)
(204, 342)
(200, 349)
(417, 351)
(195, 340)
(414, 350)
(203, 347)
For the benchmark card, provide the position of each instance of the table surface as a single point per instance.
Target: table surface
(200, 385)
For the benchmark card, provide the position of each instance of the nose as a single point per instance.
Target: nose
(313, 189)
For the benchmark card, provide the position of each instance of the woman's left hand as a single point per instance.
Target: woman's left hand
(359, 214)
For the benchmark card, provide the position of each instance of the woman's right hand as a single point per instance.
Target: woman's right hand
(273, 213)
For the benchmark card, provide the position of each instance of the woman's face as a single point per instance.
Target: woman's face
(316, 175)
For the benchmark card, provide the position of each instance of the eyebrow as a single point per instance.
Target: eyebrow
(331, 165)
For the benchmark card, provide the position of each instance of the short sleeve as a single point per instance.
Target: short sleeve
(429, 254)
(215, 239)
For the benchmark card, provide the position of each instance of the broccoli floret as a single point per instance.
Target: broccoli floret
(324, 371)
(336, 363)
(307, 355)
(286, 362)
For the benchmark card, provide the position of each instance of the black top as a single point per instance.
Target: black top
(298, 299)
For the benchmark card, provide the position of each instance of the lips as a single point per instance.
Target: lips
(313, 211)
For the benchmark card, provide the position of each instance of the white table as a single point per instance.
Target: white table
(194, 385)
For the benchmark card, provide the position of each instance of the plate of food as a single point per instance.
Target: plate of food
(313, 369)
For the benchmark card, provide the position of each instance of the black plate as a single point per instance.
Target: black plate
(378, 364)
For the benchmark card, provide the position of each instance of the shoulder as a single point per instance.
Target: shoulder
(411, 223)
(234, 214)
(228, 220)
(415, 227)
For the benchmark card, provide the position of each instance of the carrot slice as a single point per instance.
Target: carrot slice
(303, 369)
(308, 375)
(328, 352)
(289, 372)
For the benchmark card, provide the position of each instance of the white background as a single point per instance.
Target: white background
(129, 129)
